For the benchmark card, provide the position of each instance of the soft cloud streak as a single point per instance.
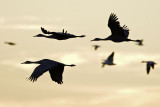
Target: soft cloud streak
(133, 97)
(72, 58)
(2, 20)
(17, 64)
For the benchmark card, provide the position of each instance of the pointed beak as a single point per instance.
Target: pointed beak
(35, 36)
(22, 63)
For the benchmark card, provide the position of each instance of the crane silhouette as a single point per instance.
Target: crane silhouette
(10, 43)
(57, 35)
(96, 47)
(109, 60)
(149, 64)
(55, 69)
(118, 33)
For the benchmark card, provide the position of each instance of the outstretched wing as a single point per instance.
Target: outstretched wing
(46, 32)
(110, 58)
(115, 27)
(152, 66)
(38, 71)
(56, 73)
(148, 68)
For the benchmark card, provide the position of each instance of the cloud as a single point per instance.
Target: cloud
(30, 18)
(17, 64)
(20, 26)
(72, 58)
(26, 22)
(125, 97)
(31, 27)
(81, 95)
(2, 20)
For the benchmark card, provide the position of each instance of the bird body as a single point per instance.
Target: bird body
(109, 60)
(57, 35)
(149, 65)
(118, 33)
(55, 69)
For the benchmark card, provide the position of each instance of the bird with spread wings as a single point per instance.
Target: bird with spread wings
(118, 33)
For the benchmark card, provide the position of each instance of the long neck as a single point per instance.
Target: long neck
(41, 35)
(103, 39)
(100, 39)
(81, 36)
(45, 36)
(144, 61)
(34, 62)
(70, 65)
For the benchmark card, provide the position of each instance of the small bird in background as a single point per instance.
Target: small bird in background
(118, 33)
(149, 64)
(96, 47)
(55, 69)
(140, 43)
(10, 43)
(57, 35)
(109, 60)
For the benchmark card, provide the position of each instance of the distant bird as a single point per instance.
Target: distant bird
(96, 47)
(140, 43)
(149, 65)
(55, 69)
(57, 35)
(109, 60)
(118, 33)
(10, 43)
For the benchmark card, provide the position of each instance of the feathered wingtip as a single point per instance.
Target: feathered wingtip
(32, 79)
(125, 27)
(113, 16)
(44, 30)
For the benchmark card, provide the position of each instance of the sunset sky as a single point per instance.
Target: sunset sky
(86, 85)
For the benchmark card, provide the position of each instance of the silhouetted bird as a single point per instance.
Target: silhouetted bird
(140, 43)
(55, 69)
(57, 35)
(96, 47)
(149, 65)
(10, 43)
(118, 33)
(109, 60)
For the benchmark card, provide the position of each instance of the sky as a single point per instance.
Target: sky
(124, 85)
